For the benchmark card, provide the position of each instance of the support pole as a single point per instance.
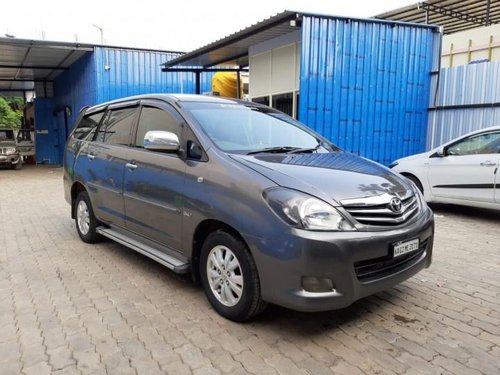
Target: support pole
(487, 20)
(238, 83)
(197, 82)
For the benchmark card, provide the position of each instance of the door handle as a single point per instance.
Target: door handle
(91, 156)
(487, 164)
(131, 166)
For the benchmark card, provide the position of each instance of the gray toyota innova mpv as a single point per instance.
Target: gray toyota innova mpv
(258, 207)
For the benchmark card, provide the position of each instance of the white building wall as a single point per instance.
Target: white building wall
(275, 68)
(463, 47)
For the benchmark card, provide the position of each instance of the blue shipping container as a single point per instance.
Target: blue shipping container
(365, 84)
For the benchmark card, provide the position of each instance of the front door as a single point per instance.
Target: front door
(467, 171)
(154, 181)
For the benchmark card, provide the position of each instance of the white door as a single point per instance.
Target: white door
(468, 168)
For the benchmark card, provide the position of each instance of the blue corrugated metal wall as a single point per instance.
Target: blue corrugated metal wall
(88, 82)
(476, 83)
(134, 72)
(46, 132)
(365, 84)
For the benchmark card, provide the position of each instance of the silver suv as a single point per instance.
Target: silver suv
(9, 152)
(256, 205)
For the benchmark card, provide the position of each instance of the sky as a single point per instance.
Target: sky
(180, 25)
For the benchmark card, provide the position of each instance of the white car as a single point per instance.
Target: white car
(463, 171)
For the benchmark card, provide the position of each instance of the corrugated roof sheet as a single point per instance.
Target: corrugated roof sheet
(452, 15)
(24, 62)
(234, 47)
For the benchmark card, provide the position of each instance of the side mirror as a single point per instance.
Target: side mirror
(157, 140)
(440, 152)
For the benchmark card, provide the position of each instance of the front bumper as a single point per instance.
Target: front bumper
(343, 257)
(10, 159)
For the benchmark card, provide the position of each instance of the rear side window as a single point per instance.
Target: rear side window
(87, 127)
(156, 119)
(117, 126)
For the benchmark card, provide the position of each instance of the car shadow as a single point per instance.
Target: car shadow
(309, 324)
(470, 212)
(274, 318)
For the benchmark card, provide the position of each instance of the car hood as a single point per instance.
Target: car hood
(423, 155)
(332, 176)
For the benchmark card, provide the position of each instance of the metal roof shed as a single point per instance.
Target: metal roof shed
(68, 76)
(363, 83)
(29, 65)
(452, 15)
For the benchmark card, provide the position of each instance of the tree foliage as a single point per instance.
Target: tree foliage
(11, 111)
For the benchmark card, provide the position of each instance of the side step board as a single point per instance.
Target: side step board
(176, 265)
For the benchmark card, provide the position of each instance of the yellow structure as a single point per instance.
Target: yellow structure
(226, 84)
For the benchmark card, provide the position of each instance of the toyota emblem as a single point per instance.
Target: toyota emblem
(396, 205)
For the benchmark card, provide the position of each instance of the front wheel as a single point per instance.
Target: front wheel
(85, 221)
(18, 166)
(416, 181)
(229, 277)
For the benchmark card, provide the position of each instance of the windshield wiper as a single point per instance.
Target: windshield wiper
(300, 150)
(277, 149)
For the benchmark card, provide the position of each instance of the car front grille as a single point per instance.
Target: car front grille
(3, 151)
(379, 212)
(372, 269)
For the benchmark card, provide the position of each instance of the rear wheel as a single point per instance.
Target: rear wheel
(85, 221)
(229, 277)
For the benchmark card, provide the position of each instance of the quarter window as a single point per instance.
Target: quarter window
(156, 119)
(87, 126)
(117, 126)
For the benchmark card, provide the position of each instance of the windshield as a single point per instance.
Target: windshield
(6, 135)
(245, 129)
(24, 135)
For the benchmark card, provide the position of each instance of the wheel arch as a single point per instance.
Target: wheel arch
(413, 177)
(202, 231)
(76, 189)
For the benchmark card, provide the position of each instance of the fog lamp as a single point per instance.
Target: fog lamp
(317, 284)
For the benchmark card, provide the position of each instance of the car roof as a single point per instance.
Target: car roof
(478, 131)
(170, 98)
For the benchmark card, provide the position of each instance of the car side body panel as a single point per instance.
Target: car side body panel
(469, 180)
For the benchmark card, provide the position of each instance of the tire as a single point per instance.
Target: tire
(85, 221)
(224, 298)
(18, 166)
(416, 181)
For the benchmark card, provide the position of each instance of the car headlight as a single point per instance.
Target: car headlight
(11, 150)
(304, 211)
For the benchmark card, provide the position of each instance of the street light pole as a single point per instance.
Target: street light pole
(101, 30)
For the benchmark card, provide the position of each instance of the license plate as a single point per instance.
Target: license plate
(3, 157)
(404, 247)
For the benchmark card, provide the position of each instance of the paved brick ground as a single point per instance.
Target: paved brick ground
(67, 307)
